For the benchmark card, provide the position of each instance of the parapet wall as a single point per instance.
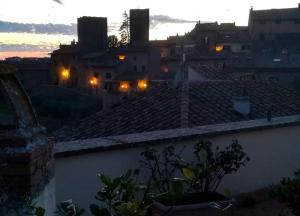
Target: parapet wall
(273, 148)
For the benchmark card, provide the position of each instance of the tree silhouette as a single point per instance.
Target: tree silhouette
(112, 41)
(124, 30)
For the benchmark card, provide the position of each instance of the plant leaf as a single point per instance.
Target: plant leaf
(188, 173)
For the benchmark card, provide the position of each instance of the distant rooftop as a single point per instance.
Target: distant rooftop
(276, 14)
(165, 106)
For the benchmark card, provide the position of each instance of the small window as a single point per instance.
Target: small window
(135, 68)
(106, 86)
(108, 75)
(143, 68)
(277, 21)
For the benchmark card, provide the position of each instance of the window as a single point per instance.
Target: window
(106, 86)
(135, 68)
(134, 58)
(277, 21)
(261, 36)
(108, 75)
(143, 68)
(246, 47)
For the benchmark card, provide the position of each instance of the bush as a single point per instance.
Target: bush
(206, 174)
(289, 192)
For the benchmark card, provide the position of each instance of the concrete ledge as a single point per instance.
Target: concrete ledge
(70, 148)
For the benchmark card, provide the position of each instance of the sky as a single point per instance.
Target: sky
(37, 27)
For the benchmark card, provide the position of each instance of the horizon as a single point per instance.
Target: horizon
(42, 31)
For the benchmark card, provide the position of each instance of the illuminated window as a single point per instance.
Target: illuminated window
(165, 69)
(65, 74)
(219, 48)
(142, 84)
(121, 57)
(124, 86)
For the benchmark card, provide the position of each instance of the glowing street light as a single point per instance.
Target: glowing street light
(121, 57)
(94, 81)
(65, 74)
(142, 85)
(124, 86)
(219, 48)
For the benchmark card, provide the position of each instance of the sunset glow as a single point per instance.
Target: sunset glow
(163, 21)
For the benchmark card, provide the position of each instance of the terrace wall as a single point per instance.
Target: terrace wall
(273, 148)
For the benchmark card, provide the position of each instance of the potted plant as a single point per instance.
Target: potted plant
(121, 196)
(288, 192)
(201, 178)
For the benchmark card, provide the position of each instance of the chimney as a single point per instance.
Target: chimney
(27, 163)
(241, 104)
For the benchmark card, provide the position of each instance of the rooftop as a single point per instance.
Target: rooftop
(210, 72)
(276, 14)
(165, 106)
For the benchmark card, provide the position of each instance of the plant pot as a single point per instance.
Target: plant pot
(193, 204)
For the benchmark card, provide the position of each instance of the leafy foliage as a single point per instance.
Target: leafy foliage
(161, 167)
(207, 172)
(68, 208)
(289, 192)
(120, 196)
(112, 41)
(124, 30)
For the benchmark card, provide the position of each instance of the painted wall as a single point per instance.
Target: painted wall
(274, 154)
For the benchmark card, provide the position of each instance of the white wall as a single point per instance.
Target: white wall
(274, 153)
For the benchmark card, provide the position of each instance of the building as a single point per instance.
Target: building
(92, 34)
(139, 26)
(97, 70)
(32, 72)
(274, 23)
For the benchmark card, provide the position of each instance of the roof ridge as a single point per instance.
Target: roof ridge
(184, 105)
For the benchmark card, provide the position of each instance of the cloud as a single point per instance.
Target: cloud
(26, 47)
(156, 20)
(58, 1)
(38, 28)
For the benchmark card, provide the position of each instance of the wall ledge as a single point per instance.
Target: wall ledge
(77, 147)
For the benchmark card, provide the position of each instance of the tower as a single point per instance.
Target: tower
(92, 33)
(139, 25)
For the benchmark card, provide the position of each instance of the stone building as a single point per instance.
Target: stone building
(273, 23)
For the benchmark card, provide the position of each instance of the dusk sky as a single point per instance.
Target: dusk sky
(30, 27)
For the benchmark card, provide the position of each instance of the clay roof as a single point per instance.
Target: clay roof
(211, 73)
(165, 106)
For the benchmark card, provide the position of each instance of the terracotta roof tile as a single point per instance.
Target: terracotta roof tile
(160, 108)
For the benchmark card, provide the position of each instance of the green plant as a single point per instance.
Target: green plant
(160, 167)
(23, 207)
(175, 193)
(121, 195)
(289, 192)
(68, 208)
(207, 172)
